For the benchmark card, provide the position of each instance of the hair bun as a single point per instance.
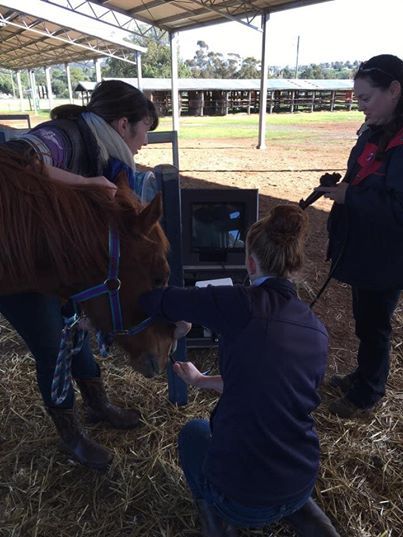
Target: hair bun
(285, 224)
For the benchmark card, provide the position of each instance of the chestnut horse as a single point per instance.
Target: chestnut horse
(54, 240)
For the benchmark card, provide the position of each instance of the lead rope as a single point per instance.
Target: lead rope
(70, 344)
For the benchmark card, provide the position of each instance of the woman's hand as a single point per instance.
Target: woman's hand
(101, 181)
(73, 179)
(182, 328)
(188, 372)
(336, 193)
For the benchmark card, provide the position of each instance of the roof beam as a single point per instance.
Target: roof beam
(97, 51)
(116, 18)
(209, 6)
(57, 15)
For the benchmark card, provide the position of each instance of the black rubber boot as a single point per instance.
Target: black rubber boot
(211, 523)
(74, 441)
(311, 521)
(97, 406)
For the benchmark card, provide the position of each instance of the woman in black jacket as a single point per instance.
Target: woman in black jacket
(366, 230)
(256, 460)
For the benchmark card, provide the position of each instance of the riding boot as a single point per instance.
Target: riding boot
(211, 523)
(311, 521)
(230, 530)
(75, 442)
(97, 406)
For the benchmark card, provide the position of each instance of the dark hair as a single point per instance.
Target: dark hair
(278, 240)
(380, 71)
(113, 99)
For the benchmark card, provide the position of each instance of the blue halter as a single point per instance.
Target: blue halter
(73, 335)
(111, 286)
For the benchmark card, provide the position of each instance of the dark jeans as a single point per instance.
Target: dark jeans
(38, 320)
(373, 312)
(194, 441)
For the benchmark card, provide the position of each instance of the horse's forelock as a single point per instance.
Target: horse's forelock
(61, 228)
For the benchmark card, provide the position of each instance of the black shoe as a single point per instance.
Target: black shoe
(212, 525)
(311, 521)
(343, 382)
(344, 408)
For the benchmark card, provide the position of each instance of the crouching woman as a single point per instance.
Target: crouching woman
(256, 461)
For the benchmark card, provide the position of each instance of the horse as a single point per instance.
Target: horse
(54, 240)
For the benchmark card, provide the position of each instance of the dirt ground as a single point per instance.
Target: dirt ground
(144, 495)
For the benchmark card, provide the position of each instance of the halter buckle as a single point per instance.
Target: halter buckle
(113, 284)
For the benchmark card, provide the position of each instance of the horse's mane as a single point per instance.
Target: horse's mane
(45, 223)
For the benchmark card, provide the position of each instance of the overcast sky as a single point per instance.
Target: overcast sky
(336, 30)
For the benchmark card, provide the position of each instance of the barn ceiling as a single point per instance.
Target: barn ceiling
(36, 33)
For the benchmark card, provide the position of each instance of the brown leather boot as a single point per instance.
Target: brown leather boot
(74, 441)
(311, 521)
(98, 407)
(211, 523)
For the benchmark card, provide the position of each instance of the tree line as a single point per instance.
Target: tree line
(156, 63)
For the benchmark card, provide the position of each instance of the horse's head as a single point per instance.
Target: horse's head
(143, 266)
(54, 240)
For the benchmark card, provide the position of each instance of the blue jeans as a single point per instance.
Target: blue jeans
(38, 320)
(373, 312)
(194, 440)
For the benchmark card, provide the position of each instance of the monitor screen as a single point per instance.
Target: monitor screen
(214, 225)
(217, 226)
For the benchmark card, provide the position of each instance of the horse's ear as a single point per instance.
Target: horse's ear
(150, 215)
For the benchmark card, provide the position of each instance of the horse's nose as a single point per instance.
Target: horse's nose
(151, 365)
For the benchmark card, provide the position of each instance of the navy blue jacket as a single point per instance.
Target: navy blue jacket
(272, 358)
(366, 232)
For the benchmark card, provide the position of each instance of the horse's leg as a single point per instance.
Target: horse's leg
(37, 318)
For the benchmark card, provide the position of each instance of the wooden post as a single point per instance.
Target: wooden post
(332, 100)
(292, 101)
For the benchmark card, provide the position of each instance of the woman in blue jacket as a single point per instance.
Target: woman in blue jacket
(257, 459)
(366, 230)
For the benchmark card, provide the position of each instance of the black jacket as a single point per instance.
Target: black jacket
(366, 232)
(272, 357)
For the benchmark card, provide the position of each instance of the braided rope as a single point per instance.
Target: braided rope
(70, 344)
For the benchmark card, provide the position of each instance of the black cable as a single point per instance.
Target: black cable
(333, 269)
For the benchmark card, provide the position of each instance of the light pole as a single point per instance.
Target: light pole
(296, 61)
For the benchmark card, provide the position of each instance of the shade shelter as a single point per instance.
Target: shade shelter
(40, 34)
(125, 16)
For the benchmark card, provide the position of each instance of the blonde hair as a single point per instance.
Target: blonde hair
(277, 240)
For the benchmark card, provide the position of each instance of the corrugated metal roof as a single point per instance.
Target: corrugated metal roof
(35, 37)
(184, 14)
(31, 36)
(217, 84)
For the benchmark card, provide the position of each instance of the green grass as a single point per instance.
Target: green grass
(278, 126)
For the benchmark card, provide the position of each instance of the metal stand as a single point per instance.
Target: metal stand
(168, 180)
